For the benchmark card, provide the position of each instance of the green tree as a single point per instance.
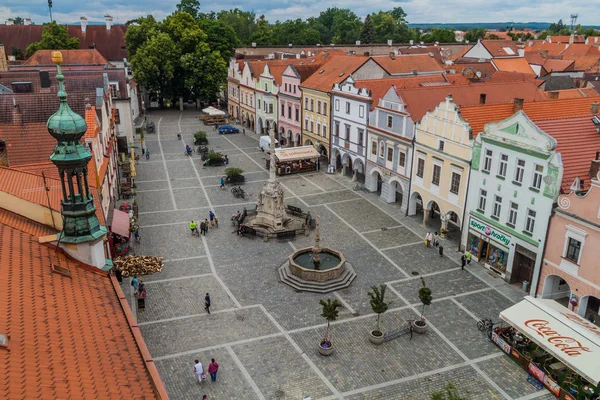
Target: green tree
(440, 35)
(378, 304)
(205, 72)
(346, 27)
(425, 296)
(220, 37)
(449, 393)
(18, 20)
(191, 7)
(475, 34)
(263, 33)
(330, 313)
(18, 53)
(154, 65)
(139, 32)
(367, 34)
(493, 36)
(54, 37)
(242, 22)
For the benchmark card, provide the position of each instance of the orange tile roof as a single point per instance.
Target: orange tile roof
(25, 224)
(505, 76)
(29, 186)
(587, 63)
(337, 69)
(513, 65)
(578, 142)
(379, 87)
(90, 56)
(69, 337)
(501, 35)
(578, 49)
(407, 63)
(478, 116)
(421, 100)
(27, 143)
(91, 120)
(497, 48)
(484, 67)
(566, 39)
(537, 46)
(576, 93)
(551, 65)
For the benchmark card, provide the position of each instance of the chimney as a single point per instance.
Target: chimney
(9, 21)
(17, 115)
(518, 104)
(392, 55)
(553, 95)
(108, 19)
(572, 38)
(544, 53)
(595, 167)
(3, 64)
(84, 22)
(594, 108)
(482, 97)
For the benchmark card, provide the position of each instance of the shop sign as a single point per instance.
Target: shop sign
(566, 344)
(491, 232)
(500, 342)
(542, 377)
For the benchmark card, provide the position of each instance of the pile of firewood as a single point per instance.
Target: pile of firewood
(138, 265)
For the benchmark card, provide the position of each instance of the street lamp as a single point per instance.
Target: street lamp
(50, 8)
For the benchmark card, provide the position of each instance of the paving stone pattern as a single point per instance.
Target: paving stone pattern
(257, 344)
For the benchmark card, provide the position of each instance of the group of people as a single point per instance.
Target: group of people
(139, 287)
(213, 368)
(209, 222)
(433, 240)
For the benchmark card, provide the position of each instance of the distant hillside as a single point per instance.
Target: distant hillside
(465, 26)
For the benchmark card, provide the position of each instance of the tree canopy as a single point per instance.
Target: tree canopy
(54, 37)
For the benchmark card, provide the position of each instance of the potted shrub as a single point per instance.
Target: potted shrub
(330, 313)
(379, 306)
(214, 158)
(425, 296)
(234, 175)
(200, 138)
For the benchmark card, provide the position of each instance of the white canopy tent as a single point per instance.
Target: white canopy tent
(296, 153)
(559, 331)
(213, 112)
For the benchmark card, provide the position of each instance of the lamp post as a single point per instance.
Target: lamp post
(50, 8)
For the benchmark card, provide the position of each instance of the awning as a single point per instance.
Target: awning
(296, 153)
(120, 223)
(562, 333)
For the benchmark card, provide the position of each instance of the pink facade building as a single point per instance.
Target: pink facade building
(570, 271)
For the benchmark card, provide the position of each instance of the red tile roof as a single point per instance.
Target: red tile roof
(435, 50)
(486, 68)
(541, 46)
(421, 100)
(578, 142)
(306, 70)
(566, 39)
(70, 57)
(553, 65)
(110, 43)
(69, 337)
(576, 93)
(498, 48)
(337, 69)
(379, 87)
(576, 50)
(478, 116)
(406, 64)
(27, 143)
(587, 63)
(513, 65)
(29, 186)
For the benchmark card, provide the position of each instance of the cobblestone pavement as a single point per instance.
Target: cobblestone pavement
(265, 334)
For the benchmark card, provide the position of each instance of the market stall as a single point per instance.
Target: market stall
(296, 159)
(556, 346)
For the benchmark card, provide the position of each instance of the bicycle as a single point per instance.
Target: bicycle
(484, 324)
(238, 192)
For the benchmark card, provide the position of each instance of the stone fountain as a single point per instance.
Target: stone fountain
(317, 269)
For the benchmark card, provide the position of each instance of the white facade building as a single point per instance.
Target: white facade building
(349, 120)
(515, 180)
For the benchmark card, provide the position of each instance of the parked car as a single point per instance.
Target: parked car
(228, 129)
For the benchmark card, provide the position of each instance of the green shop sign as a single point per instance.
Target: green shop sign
(489, 231)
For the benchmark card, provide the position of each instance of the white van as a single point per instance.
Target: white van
(265, 143)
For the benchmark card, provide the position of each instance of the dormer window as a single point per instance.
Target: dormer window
(3, 340)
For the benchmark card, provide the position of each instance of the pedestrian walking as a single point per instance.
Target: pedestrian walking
(203, 228)
(147, 154)
(207, 303)
(198, 370)
(428, 238)
(135, 282)
(211, 216)
(463, 261)
(436, 241)
(222, 183)
(213, 367)
(136, 235)
(194, 228)
(468, 257)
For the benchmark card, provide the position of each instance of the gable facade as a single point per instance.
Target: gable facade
(290, 109)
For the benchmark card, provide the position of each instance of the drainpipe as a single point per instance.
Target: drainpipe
(412, 161)
(464, 208)
(537, 276)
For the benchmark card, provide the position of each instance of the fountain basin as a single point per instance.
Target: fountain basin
(331, 266)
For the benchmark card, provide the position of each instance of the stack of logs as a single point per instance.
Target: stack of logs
(138, 265)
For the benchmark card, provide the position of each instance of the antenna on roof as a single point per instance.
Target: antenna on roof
(573, 21)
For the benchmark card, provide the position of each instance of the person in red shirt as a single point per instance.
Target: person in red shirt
(213, 367)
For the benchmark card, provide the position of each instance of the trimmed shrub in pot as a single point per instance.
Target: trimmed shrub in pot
(330, 313)
(379, 306)
(426, 297)
(234, 175)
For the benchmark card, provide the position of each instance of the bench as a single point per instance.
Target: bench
(294, 210)
(247, 231)
(286, 235)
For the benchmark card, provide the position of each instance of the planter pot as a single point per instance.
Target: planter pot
(420, 326)
(325, 351)
(376, 337)
(237, 179)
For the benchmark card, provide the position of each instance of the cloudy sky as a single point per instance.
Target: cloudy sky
(419, 11)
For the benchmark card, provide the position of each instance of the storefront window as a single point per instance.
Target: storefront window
(473, 245)
(497, 258)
